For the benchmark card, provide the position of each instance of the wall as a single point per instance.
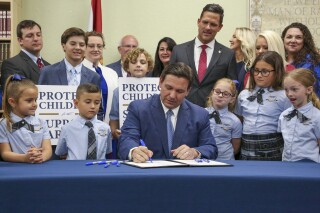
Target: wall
(148, 20)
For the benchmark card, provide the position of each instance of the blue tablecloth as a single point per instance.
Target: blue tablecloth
(248, 186)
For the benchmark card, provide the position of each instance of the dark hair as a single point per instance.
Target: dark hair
(132, 56)
(213, 8)
(308, 44)
(87, 87)
(73, 31)
(14, 89)
(93, 33)
(180, 70)
(275, 60)
(26, 24)
(158, 66)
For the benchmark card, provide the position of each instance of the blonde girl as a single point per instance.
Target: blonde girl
(300, 124)
(225, 126)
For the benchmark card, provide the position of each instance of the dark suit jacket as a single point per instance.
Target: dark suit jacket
(116, 66)
(21, 64)
(222, 64)
(146, 120)
(56, 74)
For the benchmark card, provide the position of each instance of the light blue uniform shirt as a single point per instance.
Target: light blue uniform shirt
(114, 112)
(231, 127)
(301, 139)
(21, 140)
(263, 118)
(73, 140)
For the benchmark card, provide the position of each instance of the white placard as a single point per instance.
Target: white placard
(131, 89)
(55, 106)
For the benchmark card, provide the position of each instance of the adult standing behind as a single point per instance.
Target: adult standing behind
(301, 51)
(162, 56)
(29, 61)
(170, 126)
(243, 43)
(269, 40)
(109, 78)
(208, 59)
(126, 44)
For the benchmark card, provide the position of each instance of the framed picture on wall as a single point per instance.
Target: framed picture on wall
(277, 14)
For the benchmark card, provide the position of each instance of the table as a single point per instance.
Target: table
(248, 186)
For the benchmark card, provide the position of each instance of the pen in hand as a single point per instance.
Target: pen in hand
(143, 144)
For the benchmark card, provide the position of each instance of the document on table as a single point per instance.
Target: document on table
(202, 163)
(155, 164)
(176, 163)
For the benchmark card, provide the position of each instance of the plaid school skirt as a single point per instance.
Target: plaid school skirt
(262, 147)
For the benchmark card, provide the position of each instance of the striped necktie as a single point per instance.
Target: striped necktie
(92, 146)
(39, 63)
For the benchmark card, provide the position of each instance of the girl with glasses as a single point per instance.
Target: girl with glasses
(260, 107)
(225, 126)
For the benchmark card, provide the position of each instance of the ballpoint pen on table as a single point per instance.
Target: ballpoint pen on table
(107, 162)
(143, 144)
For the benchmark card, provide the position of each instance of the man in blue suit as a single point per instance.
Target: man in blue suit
(146, 120)
(126, 44)
(70, 70)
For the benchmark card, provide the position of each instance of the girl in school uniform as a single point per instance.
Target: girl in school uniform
(260, 107)
(23, 137)
(225, 126)
(300, 124)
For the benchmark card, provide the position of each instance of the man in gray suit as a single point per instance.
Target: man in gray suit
(208, 59)
(29, 61)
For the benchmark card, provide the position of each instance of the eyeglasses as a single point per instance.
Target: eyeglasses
(224, 94)
(129, 46)
(264, 72)
(92, 46)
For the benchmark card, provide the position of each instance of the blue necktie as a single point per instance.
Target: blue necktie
(170, 129)
(104, 89)
(73, 78)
